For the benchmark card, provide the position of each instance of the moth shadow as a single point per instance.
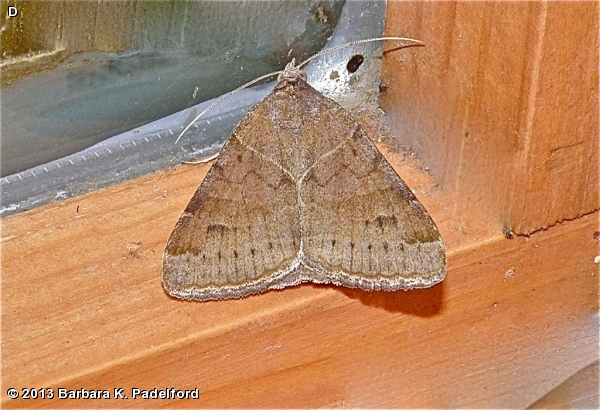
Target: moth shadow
(419, 302)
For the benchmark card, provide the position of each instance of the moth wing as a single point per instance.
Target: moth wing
(363, 227)
(240, 232)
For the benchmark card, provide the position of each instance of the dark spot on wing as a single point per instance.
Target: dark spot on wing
(385, 221)
(216, 228)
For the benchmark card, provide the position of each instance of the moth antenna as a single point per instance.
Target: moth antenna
(221, 98)
(353, 43)
(302, 64)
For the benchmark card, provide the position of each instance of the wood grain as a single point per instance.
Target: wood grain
(83, 307)
(502, 105)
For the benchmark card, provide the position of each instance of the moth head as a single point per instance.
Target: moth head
(291, 72)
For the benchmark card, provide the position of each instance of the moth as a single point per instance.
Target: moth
(299, 193)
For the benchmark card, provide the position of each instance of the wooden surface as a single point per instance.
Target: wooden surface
(579, 391)
(502, 105)
(83, 307)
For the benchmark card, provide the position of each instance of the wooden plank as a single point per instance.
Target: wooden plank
(502, 105)
(580, 391)
(83, 307)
